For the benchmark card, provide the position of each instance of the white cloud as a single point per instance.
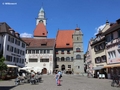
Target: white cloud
(99, 28)
(26, 35)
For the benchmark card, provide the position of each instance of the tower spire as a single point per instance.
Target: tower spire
(42, 4)
(41, 16)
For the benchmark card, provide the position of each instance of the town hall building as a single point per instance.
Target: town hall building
(40, 49)
(69, 51)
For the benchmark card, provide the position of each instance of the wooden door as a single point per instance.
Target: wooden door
(44, 71)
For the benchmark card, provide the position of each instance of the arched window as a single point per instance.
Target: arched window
(57, 58)
(78, 56)
(63, 67)
(62, 59)
(77, 49)
(67, 58)
(57, 66)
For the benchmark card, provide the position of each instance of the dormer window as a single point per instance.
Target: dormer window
(98, 38)
(17, 34)
(67, 44)
(12, 31)
(43, 44)
(43, 33)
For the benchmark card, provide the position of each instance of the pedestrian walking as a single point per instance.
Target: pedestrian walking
(98, 74)
(57, 76)
(60, 74)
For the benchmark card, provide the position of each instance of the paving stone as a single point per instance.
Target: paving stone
(68, 82)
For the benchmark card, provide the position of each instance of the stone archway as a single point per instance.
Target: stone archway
(63, 67)
(44, 71)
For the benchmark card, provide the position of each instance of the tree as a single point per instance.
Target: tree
(3, 66)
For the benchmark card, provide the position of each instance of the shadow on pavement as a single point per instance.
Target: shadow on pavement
(6, 87)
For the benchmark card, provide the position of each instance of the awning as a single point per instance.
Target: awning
(12, 66)
(112, 65)
(98, 68)
(26, 69)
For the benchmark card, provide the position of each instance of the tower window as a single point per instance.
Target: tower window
(77, 38)
(43, 33)
(67, 59)
(41, 21)
(78, 56)
(77, 49)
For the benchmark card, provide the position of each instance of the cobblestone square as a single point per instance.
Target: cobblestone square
(68, 82)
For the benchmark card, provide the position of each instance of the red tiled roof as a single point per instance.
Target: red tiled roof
(37, 43)
(64, 37)
(40, 30)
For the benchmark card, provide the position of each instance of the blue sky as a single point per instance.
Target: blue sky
(89, 15)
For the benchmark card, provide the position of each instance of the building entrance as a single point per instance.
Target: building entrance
(63, 67)
(44, 71)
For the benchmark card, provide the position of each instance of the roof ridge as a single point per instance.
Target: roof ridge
(66, 30)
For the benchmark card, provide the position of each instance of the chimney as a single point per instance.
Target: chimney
(111, 24)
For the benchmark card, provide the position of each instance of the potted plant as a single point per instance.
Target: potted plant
(3, 77)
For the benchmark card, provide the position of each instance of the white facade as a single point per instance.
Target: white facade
(13, 49)
(40, 60)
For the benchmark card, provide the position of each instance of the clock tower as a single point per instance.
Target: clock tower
(41, 17)
(78, 53)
